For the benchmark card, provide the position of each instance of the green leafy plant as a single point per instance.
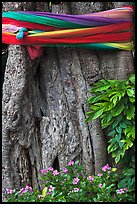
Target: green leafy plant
(113, 102)
(71, 184)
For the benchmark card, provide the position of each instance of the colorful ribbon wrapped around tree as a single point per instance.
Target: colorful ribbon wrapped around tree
(111, 29)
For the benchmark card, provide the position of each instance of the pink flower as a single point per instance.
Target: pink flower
(51, 188)
(50, 169)
(90, 178)
(100, 174)
(43, 171)
(55, 172)
(125, 189)
(65, 170)
(120, 191)
(9, 191)
(106, 167)
(23, 190)
(40, 196)
(48, 193)
(29, 188)
(76, 180)
(26, 189)
(71, 163)
(100, 185)
(76, 189)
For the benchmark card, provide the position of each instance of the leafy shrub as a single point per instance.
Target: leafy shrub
(69, 185)
(113, 102)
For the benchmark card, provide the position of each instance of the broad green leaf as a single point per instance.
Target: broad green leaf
(131, 92)
(132, 99)
(114, 169)
(130, 112)
(128, 145)
(115, 99)
(112, 93)
(124, 140)
(130, 172)
(119, 95)
(112, 81)
(119, 129)
(113, 132)
(103, 88)
(117, 155)
(126, 130)
(44, 191)
(117, 110)
(97, 114)
(93, 99)
(106, 119)
(109, 106)
(97, 106)
(104, 125)
(131, 134)
(112, 140)
(90, 118)
(76, 162)
(117, 120)
(112, 148)
(118, 137)
(128, 142)
(94, 108)
(103, 81)
(123, 124)
(132, 78)
(89, 113)
(123, 183)
(117, 159)
(121, 144)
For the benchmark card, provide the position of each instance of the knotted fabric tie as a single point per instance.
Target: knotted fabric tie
(110, 29)
(34, 51)
(21, 33)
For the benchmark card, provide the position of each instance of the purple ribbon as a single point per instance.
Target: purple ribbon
(79, 19)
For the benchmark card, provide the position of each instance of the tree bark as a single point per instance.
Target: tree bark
(44, 102)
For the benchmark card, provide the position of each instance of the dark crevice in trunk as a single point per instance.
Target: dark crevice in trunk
(55, 164)
(29, 167)
(4, 60)
(37, 122)
(66, 128)
(36, 172)
(91, 143)
(19, 174)
(41, 101)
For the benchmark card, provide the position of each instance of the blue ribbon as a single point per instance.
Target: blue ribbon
(20, 34)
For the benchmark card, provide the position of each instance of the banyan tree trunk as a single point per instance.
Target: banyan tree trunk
(44, 102)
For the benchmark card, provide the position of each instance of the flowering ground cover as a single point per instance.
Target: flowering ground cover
(71, 184)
